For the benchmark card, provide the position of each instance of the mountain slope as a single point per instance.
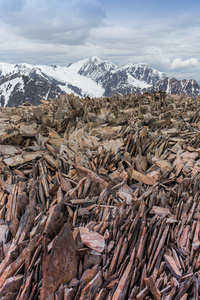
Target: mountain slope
(177, 87)
(23, 82)
(92, 77)
(18, 88)
(124, 79)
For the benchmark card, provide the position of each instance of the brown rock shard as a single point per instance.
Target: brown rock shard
(161, 211)
(12, 284)
(152, 287)
(92, 239)
(171, 264)
(9, 150)
(125, 172)
(90, 290)
(61, 265)
(27, 131)
(144, 178)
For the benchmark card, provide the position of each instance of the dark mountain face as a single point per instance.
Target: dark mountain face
(17, 88)
(177, 87)
(28, 89)
(93, 77)
(126, 79)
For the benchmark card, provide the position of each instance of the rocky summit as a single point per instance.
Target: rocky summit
(89, 77)
(100, 198)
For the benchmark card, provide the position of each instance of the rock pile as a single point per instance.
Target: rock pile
(100, 199)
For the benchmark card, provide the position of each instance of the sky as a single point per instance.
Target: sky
(163, 34)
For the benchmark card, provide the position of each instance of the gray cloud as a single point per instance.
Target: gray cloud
(60, 21)
(64, 31)
(163, 44)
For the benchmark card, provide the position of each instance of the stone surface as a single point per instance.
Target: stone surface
(61, 265)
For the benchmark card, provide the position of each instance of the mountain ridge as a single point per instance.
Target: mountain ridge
(88, 77)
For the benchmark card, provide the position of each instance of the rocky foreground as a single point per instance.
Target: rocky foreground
(100, 199)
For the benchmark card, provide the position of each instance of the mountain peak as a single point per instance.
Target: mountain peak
(98, 61)
(95, 59)
(91, 76)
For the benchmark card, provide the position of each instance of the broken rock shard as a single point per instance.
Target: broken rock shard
(61, 264)
(99, 198)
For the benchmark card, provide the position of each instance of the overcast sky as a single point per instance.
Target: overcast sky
(163, 34)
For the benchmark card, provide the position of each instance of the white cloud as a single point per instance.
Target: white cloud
(179, 63)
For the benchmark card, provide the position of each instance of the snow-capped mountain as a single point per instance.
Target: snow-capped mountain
(123, 79)
(177, 87)
(93, 77)
(25, 83)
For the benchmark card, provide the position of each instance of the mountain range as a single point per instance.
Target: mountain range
(92, 77)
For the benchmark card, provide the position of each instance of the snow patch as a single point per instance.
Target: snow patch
(8, 87)
(137, 83)
(69, 76)
(6, 69)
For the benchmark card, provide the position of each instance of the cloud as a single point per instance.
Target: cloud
(179, 63)
(64, 31)
(60, 21)
(157, 43)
